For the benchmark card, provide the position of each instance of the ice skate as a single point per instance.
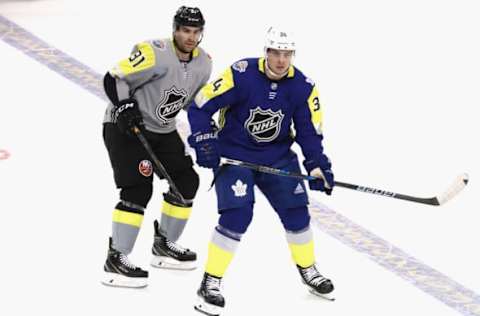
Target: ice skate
(317, 284)
(210, 300)
(169, 255)
(120, 272)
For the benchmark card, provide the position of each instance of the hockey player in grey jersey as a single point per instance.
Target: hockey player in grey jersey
(147, 90)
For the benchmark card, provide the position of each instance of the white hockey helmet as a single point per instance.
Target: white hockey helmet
(277, 38)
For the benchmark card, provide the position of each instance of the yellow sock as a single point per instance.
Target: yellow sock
(220, 253)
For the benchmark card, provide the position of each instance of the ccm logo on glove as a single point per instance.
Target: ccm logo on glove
(124, 107)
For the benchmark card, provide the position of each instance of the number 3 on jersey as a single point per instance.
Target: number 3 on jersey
(315, 109)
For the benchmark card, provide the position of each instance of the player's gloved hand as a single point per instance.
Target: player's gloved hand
(320, 168)
(206, 148)
(128, 115)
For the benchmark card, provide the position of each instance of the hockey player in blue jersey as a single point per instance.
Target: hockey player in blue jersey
(261, 101)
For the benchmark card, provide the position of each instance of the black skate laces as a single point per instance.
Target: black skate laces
(312, 276)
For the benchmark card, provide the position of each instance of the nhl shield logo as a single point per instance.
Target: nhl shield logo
(264, 125)
(172, 102)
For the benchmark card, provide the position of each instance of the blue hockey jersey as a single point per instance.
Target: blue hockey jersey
(260, 118)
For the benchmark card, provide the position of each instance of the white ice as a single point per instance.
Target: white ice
(400, 83)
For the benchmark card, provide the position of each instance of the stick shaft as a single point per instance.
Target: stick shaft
(159, 168)
(285, 173)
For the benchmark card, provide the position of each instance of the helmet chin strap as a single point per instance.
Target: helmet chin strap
(178, 47)
(272, 74)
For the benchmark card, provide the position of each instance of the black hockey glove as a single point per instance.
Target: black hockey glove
(128, 115)
(322, 169)
(206, 148)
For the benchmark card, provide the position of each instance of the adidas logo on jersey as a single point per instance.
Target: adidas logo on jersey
(239, 189)
(264, 125)
(172, 102)
(299, 189)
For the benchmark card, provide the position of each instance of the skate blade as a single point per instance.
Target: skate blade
(172, 264)
(117, 280)
(323, 296)
(207, 309)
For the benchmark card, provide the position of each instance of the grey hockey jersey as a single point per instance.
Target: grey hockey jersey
(160, 82)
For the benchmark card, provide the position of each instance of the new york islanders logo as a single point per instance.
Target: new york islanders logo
(171, 103)
(145, 168)
(264, 125)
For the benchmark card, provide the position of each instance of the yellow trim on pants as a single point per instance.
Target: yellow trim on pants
(176, 211)
(128, 218)
(218, 260)
(303, 254)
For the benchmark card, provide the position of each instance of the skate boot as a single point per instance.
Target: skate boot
(210, 300)
(120, 272)
(169, 255)
(317, 284)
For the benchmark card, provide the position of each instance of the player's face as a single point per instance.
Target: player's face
(187, 37)
(279, 60)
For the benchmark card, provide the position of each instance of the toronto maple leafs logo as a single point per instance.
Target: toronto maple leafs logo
(264, 125)
(172, 102)
(239, 188)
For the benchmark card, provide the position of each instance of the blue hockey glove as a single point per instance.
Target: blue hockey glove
(128, 115)
(206, 148)
(320, 168)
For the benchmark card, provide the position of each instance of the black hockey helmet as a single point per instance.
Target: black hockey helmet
(188, 16)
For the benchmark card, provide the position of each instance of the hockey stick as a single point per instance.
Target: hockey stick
(459, 183)
(159, 168)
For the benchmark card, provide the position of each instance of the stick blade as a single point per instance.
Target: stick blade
(460, 182)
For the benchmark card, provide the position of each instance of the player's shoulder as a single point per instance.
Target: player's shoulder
(202, 54)
(302, 80)
(150, 50)
(244, 65)
(160, 46)
(142, 58)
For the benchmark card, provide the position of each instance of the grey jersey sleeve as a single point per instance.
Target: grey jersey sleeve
(136, 70)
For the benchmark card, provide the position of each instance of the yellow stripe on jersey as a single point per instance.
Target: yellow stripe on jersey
(261, 64)
(176, 211)
(291, 72)
(218, 260)
(315, 110)
(128, 218)
(221, 116)
(303, 254)
(195, 52)
(142, 59)
(215, 88)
